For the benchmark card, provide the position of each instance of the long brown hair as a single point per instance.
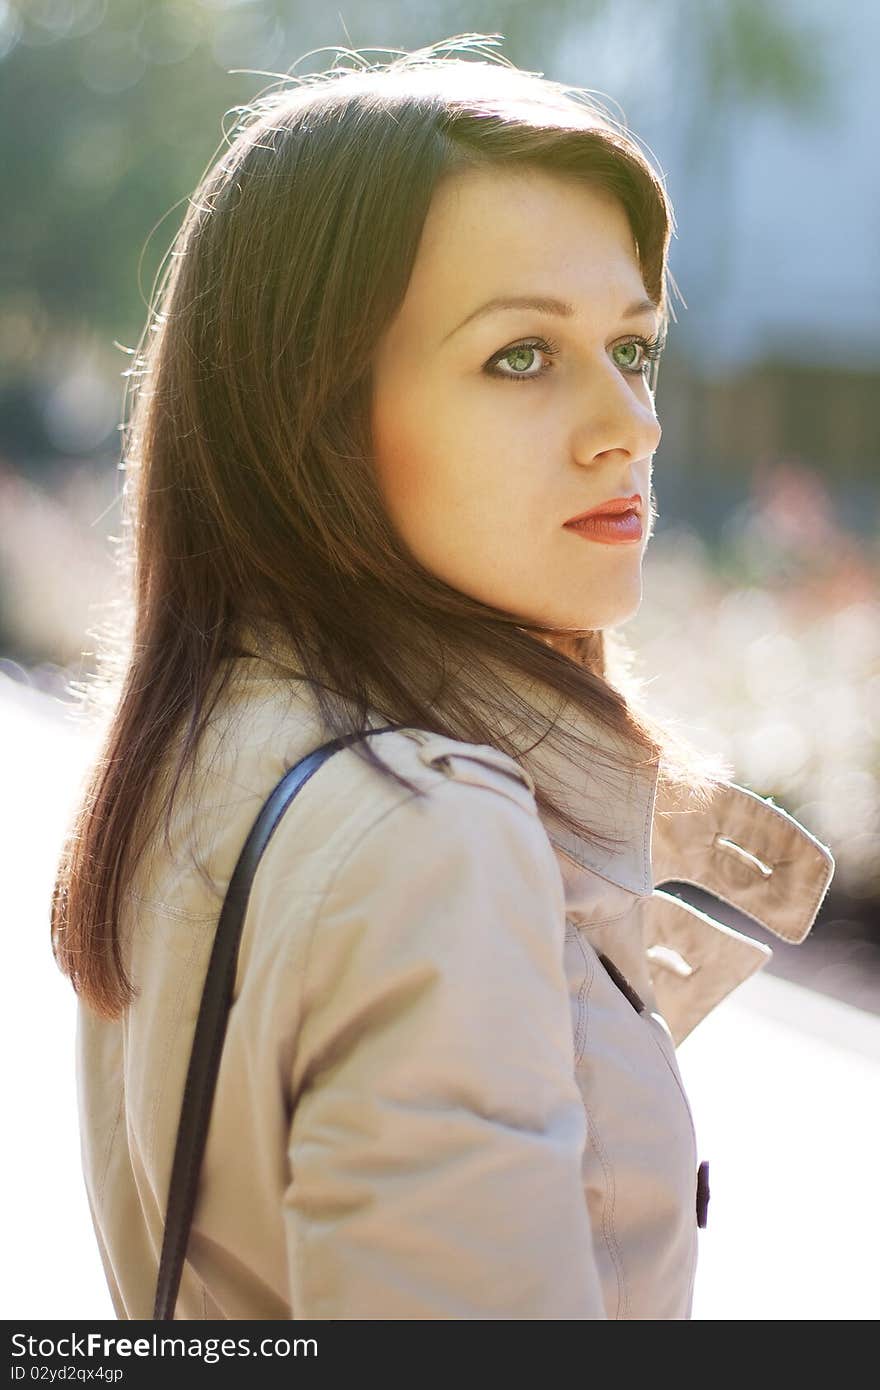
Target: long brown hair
(250, 502)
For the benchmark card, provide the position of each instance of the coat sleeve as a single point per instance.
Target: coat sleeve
(437, 1131)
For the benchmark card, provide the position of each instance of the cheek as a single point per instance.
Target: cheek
(441, 467)
(462, 483)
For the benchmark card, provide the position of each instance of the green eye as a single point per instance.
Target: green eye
(652, 349)
(634, 347)
(520, 358)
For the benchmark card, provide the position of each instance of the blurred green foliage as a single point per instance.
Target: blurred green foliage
(110, 110)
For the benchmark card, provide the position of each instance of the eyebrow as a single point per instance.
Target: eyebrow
(544, 305)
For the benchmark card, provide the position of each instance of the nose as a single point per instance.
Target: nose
(616, 417)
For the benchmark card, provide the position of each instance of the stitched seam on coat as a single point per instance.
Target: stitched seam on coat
(170, 1040)
(745, 799)
(695, 1251)
(99, 1189)
(159, 906)
(583, 923)
(655, 1034)
(749, 912)
(581, 1025)
(160, 1079)
(588, 868)
(648, 875)
(319, 908)
(607, 1170)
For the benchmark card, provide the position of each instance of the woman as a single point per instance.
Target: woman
(449, 1086)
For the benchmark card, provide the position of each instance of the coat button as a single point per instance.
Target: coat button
(702, 1192)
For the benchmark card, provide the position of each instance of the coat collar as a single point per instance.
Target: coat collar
(741, 847)
(612, 788)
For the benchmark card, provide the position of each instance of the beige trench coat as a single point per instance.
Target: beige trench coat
(449, 1086)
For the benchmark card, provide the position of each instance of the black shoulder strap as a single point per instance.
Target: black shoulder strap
(210, 1031)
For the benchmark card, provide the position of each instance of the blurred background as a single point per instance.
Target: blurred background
(760, 627)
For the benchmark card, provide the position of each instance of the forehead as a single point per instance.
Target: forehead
(493, 232)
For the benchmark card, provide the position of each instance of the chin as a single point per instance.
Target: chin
(580, 613)
(613, 613)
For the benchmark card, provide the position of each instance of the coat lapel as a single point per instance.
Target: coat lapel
(749, 853)
(741, 848)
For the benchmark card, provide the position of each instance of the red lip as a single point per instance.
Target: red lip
(613, 507)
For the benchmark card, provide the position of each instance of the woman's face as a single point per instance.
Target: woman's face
(485, 442)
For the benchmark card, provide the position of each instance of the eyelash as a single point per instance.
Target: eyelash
(652, 348)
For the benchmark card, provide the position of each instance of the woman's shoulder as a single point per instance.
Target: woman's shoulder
(364, 869)
(261, 731)
(270, 726)
(418, 901)
(449, 789)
